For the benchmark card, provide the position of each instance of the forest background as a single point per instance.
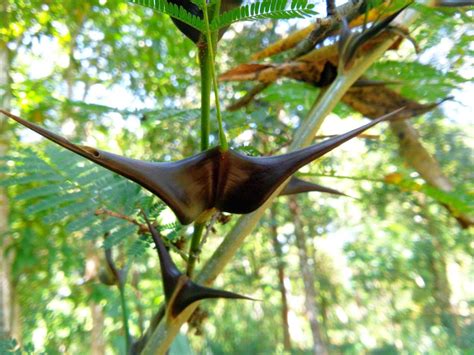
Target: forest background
(387, 269)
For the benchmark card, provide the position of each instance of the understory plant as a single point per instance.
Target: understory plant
(216, 180)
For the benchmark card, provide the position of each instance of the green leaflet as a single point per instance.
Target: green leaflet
(138, 248)
(100, 228)
(80, 223)
(173, 10)
(265, 9)
(53, 201)
(72, 209)
(461, 201)
(61, 187)
(118, 236)
(29, 179)
(40, 191)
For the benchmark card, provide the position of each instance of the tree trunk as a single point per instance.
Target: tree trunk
(6, 258)
(97, 331)
(319, 347)
(444, 311)
(5, 261)
(91, 275)
(281, 280)
(441, 287)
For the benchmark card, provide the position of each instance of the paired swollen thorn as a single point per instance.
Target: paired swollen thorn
(225, 180)
(180, 291)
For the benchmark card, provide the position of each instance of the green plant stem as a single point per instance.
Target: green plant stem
(206, 82)
(164, 334)
(206, 62)
(194, 248)
(125, 316)
(222, 138)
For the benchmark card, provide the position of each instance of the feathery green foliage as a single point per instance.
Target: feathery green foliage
(398, 244)
(59, 186)
(265, 9)
(173, 10)
(273, 9)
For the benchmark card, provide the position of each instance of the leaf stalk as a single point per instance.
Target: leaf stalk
(206, 82)
(222, 138)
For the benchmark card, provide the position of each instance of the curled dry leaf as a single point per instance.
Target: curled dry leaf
(319, 67)
(295, 38)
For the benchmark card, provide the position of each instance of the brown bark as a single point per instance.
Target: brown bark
(281, 280)
(374, 101)
(319, 347)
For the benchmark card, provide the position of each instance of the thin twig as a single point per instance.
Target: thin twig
(143, 228)
(248, 97)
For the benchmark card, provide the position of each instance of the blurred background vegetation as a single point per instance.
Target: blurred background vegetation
(387, 270)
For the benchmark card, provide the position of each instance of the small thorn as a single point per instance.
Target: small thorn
(189, 292)
(297, 186)
(192, 292)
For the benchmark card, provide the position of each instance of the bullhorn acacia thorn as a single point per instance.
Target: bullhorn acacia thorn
(214, 179)
(180, 291)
